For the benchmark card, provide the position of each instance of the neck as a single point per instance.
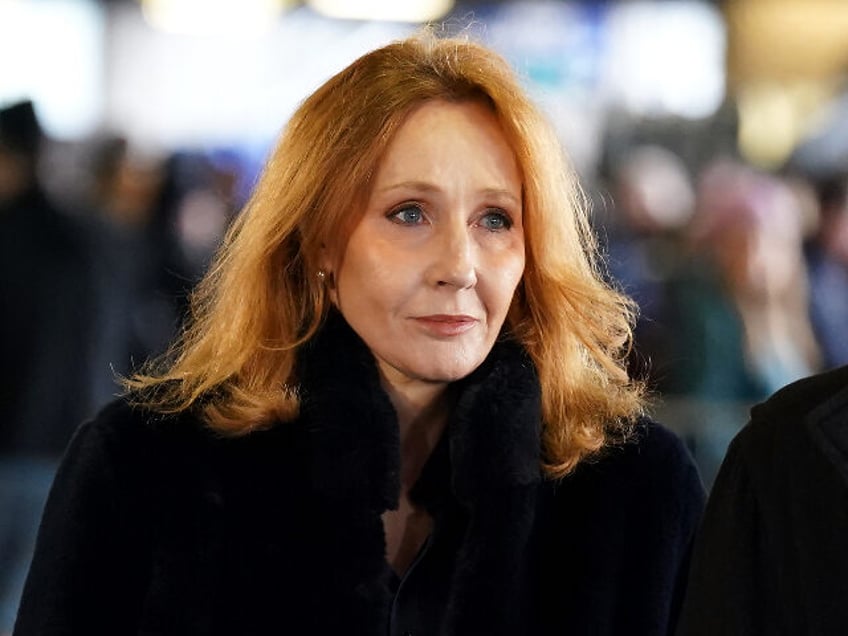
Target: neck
(422, 411)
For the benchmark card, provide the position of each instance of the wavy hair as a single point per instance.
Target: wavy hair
(262, 299)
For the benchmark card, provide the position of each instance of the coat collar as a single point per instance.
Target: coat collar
(828, 423)
(490, 469)
(494, 432)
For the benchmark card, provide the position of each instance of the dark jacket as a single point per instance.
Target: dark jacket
(157, 526)
(46, 326)
(772, 555)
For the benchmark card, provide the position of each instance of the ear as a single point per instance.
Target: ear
(325, 259)
(327, 265)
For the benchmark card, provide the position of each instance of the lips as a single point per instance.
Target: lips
(446, 325)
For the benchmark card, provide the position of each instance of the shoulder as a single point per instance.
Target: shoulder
(787, 432)
(129, 443)
(635, 509)
(651, 451)
(141, 447)
(789, 455)
(659, 458)
(798, 399)
(651, 468)
(124, 425)
(781, 418)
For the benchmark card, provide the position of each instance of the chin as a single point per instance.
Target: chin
(435, 364)
(447, 377)
(448, 372)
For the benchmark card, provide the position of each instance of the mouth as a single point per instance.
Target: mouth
(446, 325)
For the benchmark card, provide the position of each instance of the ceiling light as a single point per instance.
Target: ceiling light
(210, 17)
(385, 10)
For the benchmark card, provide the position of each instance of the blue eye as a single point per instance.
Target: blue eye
(407, 215)
(496, 220)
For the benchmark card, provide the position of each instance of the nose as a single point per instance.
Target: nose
(453, 262)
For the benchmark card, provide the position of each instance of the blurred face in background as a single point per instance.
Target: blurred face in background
(429, 273)
(760, 251)
(756, 261)
(752, 226)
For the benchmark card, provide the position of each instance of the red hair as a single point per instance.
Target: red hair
(262, 299)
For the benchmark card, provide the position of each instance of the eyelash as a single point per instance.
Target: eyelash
(394, 217)
(502, 216)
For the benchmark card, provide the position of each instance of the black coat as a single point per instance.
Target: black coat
(157, 526)
(772, 556)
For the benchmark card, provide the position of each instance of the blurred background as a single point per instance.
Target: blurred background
(711, 137)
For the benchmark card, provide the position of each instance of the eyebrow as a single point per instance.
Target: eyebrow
(423, 186)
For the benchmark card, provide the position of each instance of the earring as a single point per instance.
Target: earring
(321, 275)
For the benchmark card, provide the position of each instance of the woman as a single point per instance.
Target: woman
(400, 407)
(743, 311)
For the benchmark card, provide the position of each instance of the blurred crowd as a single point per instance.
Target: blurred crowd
(741, 276)
(92, 285)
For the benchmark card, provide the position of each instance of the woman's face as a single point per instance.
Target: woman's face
(429, 272)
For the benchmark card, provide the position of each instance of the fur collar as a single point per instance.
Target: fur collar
(493, 440)
(494, 433)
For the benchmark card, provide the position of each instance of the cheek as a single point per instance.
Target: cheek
(370, 279)
(513, 265)
(506, 275)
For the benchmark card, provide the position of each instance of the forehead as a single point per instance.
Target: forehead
(435, 133)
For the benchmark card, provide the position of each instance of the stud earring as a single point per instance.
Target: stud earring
(321, 275)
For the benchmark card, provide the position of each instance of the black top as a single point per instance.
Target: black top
(157, 526)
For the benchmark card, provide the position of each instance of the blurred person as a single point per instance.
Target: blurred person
(400, 407)
(46, 287)
(653, 203)
(827, 260)
(193, 211)
(159, 222)
(208, 207)
(135, 319)
(744, 328)
(771, 557)
(750, 227)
